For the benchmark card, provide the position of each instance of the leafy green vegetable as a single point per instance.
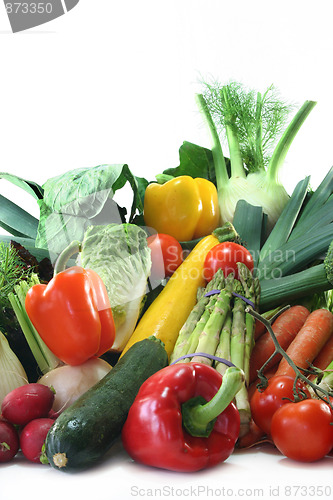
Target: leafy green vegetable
(77, 199)
(195, 161)
(120, 255)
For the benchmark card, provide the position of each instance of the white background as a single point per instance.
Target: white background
(114, 82)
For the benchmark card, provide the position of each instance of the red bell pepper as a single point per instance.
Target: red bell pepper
(72, 313)
(172, 426)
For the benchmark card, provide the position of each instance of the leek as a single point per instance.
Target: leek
(251, 123)
(297, 258)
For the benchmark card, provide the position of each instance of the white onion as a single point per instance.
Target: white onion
(70, 382)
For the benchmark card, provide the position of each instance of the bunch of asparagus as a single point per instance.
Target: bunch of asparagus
(219, 327)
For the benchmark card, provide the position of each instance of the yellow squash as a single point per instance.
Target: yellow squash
(169, 311)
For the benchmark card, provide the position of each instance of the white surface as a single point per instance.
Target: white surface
(255, 473)
(114, 82)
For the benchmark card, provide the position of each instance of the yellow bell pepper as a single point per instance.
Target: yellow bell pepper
(182, 207)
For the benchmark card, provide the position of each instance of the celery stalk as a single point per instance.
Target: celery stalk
(45, 358)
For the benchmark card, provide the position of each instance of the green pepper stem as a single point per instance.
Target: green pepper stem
(66, 254)
(199, 418)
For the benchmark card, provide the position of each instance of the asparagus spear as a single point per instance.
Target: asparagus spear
(223, 348)
(237, 354)
(250, 292)
(238, 327)
(194, 337)
(209, 337)
(189, 333)
(243, 332)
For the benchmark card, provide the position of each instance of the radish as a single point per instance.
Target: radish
(9, 441)
(26, 403)
(32, 438)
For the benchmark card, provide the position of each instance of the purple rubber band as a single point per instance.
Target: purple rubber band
(213, 292)
(204, 354)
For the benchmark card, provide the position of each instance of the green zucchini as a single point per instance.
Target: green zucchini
(85, 431)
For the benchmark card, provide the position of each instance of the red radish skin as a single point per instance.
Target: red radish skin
(33, 436)
(26, 403)
(9, 441)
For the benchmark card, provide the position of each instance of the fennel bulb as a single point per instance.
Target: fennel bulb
(12, 373)
(251, 123)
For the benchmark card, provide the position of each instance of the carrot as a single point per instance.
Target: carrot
(259, 329)
(285, 328)
(316, 331)
(324, 357)
(254, 436)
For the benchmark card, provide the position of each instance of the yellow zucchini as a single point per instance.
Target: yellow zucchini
(169, 311)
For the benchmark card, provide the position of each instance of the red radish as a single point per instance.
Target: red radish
(33, 436)
(9, 441)
(26, 403)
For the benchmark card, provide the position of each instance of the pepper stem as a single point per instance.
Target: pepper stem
(66, 254)
(199, 416)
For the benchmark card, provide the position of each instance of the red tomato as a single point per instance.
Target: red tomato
(166, 254)
(225, 256)
(278, 392)
(303, 431)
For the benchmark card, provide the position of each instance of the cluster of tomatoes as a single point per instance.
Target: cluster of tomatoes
(26, 417)
(167, 255)
(301, 430)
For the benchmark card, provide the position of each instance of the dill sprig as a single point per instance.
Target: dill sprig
(12, 270)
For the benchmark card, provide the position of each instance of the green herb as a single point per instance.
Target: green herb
(12, 270)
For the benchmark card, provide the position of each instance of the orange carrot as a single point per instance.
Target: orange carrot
(259, 329)
(325, 356)
(254, 436)
(316, 331)
(285, 328)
